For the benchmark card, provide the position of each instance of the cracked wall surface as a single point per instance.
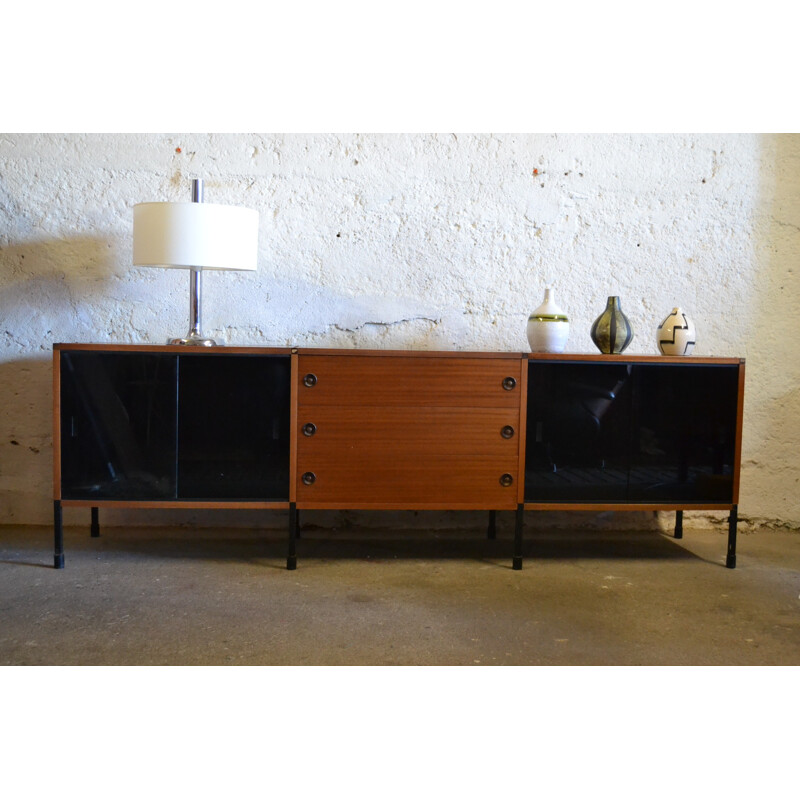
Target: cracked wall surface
(430, 242)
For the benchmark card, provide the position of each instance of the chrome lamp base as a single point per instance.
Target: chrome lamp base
(196, 341)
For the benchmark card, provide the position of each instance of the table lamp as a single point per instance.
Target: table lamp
(195, 236)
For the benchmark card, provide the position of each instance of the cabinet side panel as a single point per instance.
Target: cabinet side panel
(739, 424)
(56, 425)
(522, 427)
(293, 427)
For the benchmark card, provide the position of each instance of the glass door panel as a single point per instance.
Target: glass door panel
(578, 432)
(233, 437)
(118, 425)
(684, 433)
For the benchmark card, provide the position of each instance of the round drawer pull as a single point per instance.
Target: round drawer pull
(310, 380)
(509, 383)
(506, 479)
(507, 432)
(309, 429)
(309, 478)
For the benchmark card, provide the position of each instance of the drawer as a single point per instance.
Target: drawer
(342, 380)
(349, 480)
(377, 433)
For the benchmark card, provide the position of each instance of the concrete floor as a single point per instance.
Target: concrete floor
(177, 596)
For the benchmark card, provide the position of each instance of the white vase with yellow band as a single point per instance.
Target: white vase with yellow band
(548, 327)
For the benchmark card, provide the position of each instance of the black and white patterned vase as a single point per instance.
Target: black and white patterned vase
(612, 331)
(676, 334)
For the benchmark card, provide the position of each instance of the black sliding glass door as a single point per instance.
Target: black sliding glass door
(118, 425)
(628, 433)
(169, 426)
(233, 430)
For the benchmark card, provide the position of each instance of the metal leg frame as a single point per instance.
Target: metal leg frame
(491, 531)
(58, 534)
(294, 524)
(518, 524)
(291, 559)
(679, 524)
(730, 562)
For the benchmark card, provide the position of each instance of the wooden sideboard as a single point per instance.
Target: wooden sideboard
(142, 426)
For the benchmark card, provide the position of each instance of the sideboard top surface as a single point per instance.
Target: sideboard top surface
(632, 359)
(173, 348)
(323, 351)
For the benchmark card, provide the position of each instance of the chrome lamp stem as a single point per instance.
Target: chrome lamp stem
(195, 335)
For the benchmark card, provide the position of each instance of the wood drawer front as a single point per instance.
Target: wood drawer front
(380, 433)
(341, 380)
(349, 480)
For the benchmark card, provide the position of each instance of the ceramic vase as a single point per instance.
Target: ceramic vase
(676, 334)
(548, 327)
(612, 331)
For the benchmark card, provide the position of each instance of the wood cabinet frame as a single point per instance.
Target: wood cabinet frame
(398, 363)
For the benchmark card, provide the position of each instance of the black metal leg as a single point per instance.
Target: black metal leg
(297, 528)
(491, 531)
(730, 562)
(679, 524)
(58, 535)
(517, 561)
(291, 559)
(95, 522)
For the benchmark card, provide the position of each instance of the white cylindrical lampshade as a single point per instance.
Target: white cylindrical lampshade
(195, 235)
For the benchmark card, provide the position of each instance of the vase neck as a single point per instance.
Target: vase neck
(613, 303)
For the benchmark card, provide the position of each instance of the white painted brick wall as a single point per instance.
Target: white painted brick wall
(409, 241)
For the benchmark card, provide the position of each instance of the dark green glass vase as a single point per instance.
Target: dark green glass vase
(612, 331)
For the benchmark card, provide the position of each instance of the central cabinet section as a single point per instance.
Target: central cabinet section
(408, 431)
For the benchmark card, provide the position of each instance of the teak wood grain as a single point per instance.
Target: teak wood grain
(407, 481)
(56, 425)
(393, 431)
(179, 349)
(292, 426)
(737, 464)
(523, 428)
(374, 432)
(343, 380)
